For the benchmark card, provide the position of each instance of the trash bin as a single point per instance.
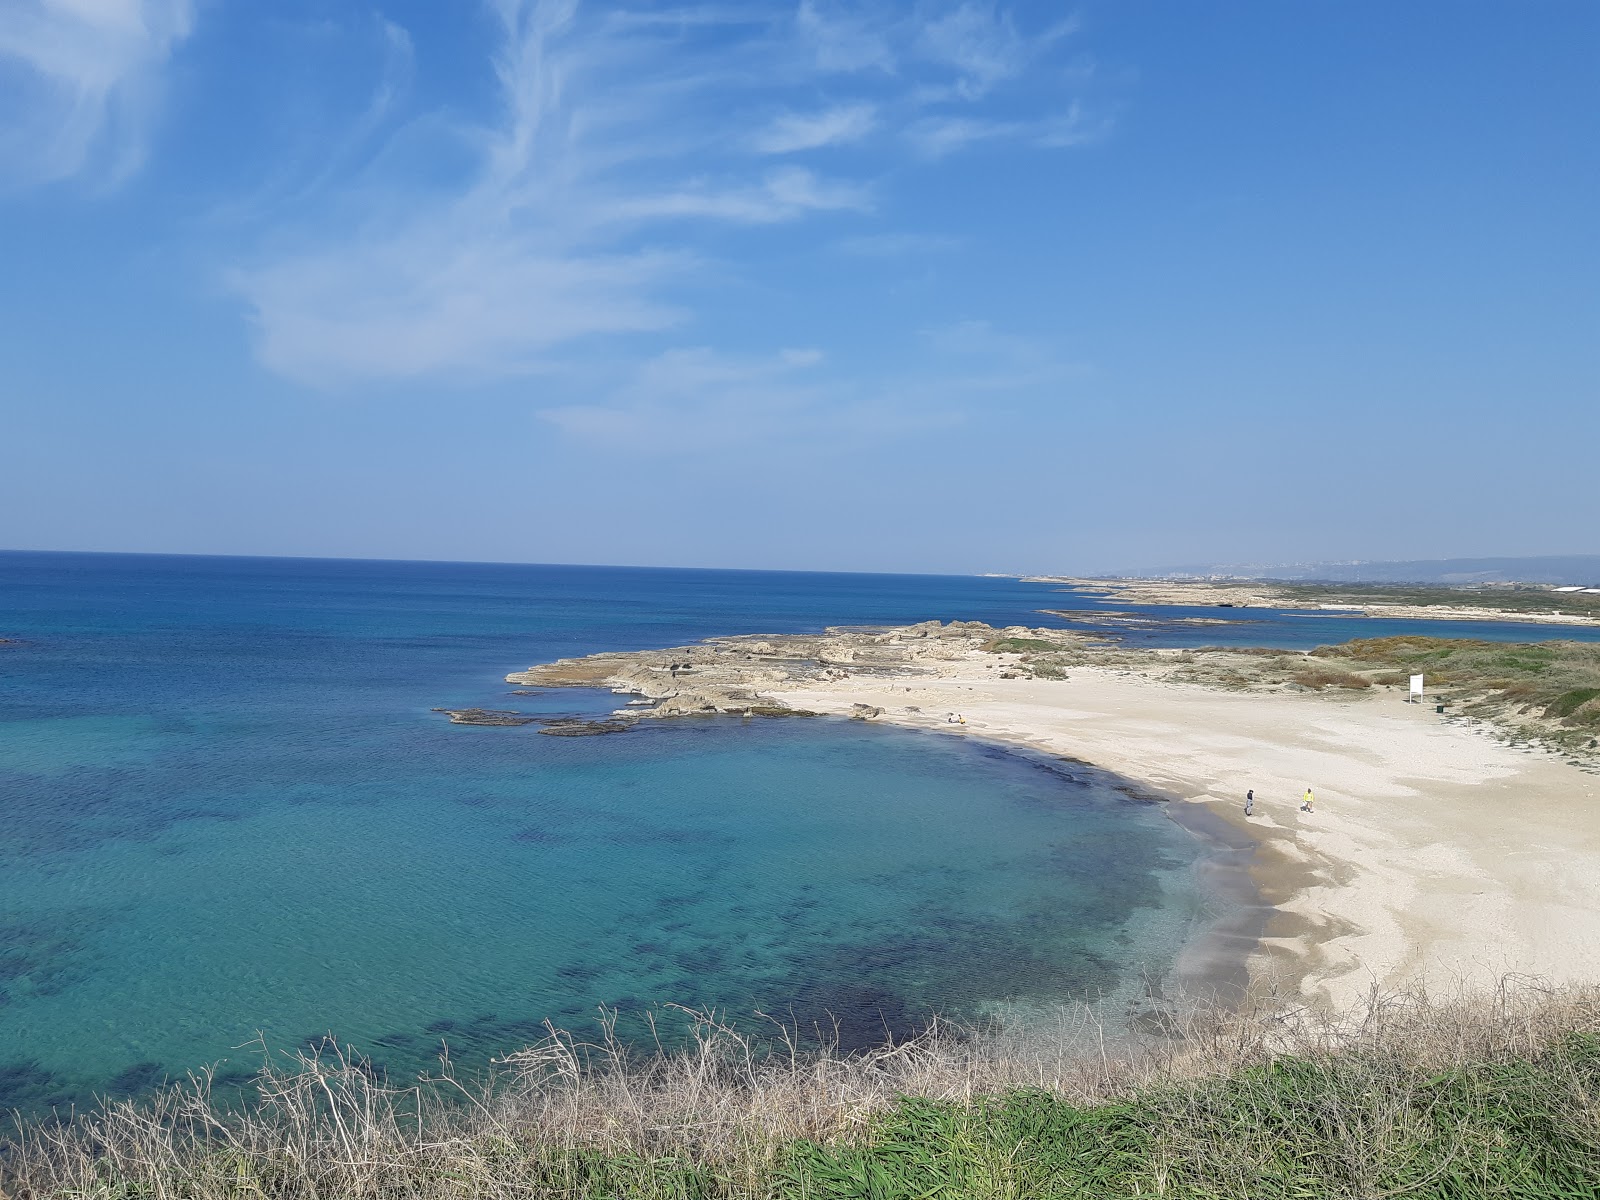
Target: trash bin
(1438, 708)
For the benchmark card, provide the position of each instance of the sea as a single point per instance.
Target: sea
(235, 823)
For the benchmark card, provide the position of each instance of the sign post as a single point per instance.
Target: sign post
(1416, 690)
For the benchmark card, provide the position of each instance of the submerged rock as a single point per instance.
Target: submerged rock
(579, 727)
(485, 716)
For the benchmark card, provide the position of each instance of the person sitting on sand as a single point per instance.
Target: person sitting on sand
(1306, 806)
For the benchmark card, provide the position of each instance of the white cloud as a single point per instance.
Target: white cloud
(619, 139)
(810, 131)
(980, 42)
(846, 38)
(480, 282)
(936, 137)
(782, 195)
(444, 295)
(81, 83)
(535, 252)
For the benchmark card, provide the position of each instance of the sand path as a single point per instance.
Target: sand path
(1435, 853)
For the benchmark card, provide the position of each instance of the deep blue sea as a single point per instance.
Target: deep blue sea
(231, 813)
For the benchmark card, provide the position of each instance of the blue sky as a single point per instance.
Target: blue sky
(944, 286)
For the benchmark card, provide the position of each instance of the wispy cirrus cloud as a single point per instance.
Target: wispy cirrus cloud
(847, 37)
(620, 141)
(80, 81)
(984, 46)
(809, 131)
(935, 137)
(541, 246)
(445, 294)
(780, 195)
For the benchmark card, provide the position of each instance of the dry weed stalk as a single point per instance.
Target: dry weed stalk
(326, 1125)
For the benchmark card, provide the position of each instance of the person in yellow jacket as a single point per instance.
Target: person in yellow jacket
(1306, 806)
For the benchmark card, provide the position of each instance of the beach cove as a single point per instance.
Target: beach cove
(1437, 853)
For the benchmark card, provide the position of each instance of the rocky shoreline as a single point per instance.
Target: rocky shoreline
(768, 675)
(736, 676)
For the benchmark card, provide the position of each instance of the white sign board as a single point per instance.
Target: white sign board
(1416, 685)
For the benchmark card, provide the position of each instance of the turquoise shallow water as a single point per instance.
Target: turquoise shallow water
(229, 811)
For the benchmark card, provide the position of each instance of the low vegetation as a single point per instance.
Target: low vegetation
(1318, 676)
(1523, 598)
(1495, 1095)
(1020, 645)
(1547, 690)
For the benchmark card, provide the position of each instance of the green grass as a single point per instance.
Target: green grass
(1297, 1127)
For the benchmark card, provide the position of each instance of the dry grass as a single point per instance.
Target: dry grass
(1317, 677)
(1212, 1097)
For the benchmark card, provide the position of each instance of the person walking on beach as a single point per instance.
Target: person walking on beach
(1306, 806)
(1249, 802)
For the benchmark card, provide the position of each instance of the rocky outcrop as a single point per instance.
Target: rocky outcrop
(736, 675)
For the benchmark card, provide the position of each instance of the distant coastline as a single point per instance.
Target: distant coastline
(1538, 604)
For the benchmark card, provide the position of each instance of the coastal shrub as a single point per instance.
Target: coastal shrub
(1319, 677)
(1568, 703)
(1513, 689)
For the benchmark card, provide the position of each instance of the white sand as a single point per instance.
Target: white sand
(1435, 853)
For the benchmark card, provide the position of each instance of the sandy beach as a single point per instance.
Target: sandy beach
(1435, 854)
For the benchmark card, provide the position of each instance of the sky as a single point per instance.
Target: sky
(943, 286)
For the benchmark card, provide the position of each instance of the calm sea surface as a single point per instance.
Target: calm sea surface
(229, 811)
